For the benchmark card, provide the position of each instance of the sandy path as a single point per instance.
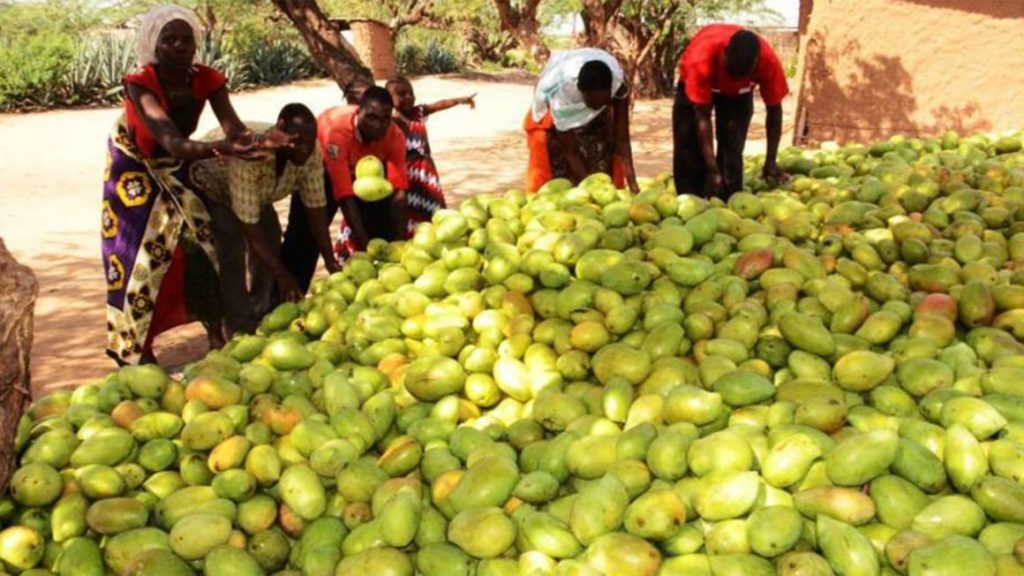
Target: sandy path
(51, 164)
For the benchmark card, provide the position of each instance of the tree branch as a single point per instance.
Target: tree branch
(326, 45)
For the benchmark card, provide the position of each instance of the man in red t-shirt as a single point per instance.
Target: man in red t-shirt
(346, 136)
(718, 70)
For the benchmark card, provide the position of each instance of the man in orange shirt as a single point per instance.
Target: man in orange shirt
(718, 70)
(346, 136)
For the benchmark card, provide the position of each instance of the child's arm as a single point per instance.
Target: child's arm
(440, 105)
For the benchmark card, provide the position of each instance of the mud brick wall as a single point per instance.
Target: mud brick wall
(873, 68)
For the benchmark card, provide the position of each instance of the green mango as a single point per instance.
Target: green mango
(897, 501)
(1001, 499)
(655, 515)
(741, 388)
(548, 535)
(847, 550)
(862, 457)
(68, 520)
(980, 418)
(948, 515)
(740, 565)
(108, 446)
(400, 518)
(789, 460)
(666, 455)
(803, 564)
(482, 532)
(1001, 538)
(952, 556)
(965, 459)
(158, 563)
(599, 508)
(844, 504)
(725, 495)
(807, 333)
(443, 559)
(230, 560)
(195, 535)
(619, 554)
(378, 561)
(774, 530)
(303, 492)
(287, 354)
(115, 515)
(488, 482)
(862, 370)
(122, 548)
(80, 557)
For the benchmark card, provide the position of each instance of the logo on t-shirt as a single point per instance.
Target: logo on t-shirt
(332, 151)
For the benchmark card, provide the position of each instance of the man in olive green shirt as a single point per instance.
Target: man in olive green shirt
(247, 232)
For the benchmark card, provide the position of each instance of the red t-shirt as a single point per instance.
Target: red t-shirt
(205, 81)
(342, 150)
(702, 68)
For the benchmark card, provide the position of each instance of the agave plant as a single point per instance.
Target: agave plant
(439, 59)
(278, 62)
(213, 52)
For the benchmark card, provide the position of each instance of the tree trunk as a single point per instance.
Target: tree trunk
(327, 47)
(522, 25)
(18, 291)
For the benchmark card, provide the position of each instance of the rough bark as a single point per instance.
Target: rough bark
(327, 47)
(522, 25)
(412, 13)
(599, 21)
(18, 292)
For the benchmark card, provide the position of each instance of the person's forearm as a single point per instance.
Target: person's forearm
(706, 137)
(354, 219)
(185, 149)
(320, 227)
(441, 105)
(260, 244)
(234, 129)
(398, 210)
(567, 142)
(623, 142)
(773, 125)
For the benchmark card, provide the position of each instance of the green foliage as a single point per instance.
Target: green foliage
(31, 70)
(97, 67)
(69, 53)
(420, 51)
(277, 62)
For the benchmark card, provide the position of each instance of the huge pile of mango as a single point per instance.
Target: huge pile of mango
(822, 378)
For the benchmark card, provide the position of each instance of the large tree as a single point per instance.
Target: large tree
(519, 19)
(327, 46)
(649, 35)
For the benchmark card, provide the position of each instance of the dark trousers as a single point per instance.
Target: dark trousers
(245, 303)
(299, 252)
(732, 119)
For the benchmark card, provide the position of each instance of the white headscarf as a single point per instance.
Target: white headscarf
(153, 23)
(556, 89)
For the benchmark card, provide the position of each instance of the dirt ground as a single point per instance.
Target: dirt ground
(51, 165)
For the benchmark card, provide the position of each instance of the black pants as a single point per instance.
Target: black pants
(732, 119)
(299, 251)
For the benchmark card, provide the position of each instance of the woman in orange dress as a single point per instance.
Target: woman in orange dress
(578, 124)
